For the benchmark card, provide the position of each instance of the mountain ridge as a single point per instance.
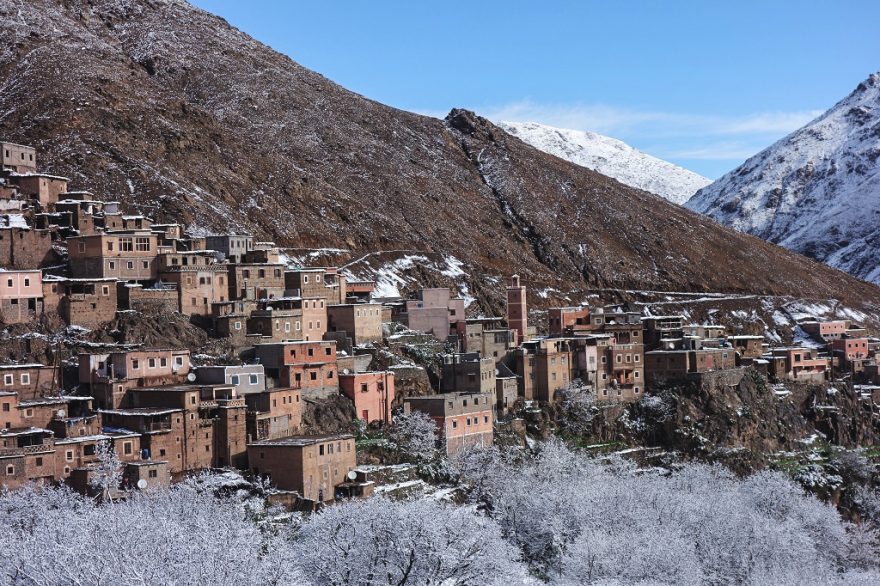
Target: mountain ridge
(613, 158)
(814, 191)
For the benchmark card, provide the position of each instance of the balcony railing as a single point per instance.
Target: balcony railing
(33, 449)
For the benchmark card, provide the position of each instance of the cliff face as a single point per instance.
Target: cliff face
(182, 117)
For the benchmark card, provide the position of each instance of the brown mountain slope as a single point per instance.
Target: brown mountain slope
(172, 111)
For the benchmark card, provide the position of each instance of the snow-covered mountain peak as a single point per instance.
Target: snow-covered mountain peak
(611, 157)
(816, 191)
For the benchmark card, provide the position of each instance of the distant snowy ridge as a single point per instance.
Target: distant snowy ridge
(612, 158)
(816, 191)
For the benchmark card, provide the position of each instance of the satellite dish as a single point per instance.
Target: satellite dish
(344, 371)
(61, 414)
(191, 377)
(352, 475)
(142, 484)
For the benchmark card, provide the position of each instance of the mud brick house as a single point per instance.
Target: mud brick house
(160, 296)
(568, 321)
(289, 318)
(362, 322)
(309, 367)
(170, 235)
(214, 421)
(506, 389)
(798, 364)
(746, 347)
(65, 416)
(23, 247)
(246, 379)
(18, 158)
(825, 331)
(314, 318)
(108, 377)
(27, 454)
(200, 280)
(704, 331)
(46, 189)
(544, 366)
(127, 256)
(371, 392)
(84, 302)
(593, 363)
(161, 432)
(627, 353)
(851, 353)
(467, 373)
(230, 321)
(432, 311)
(74, 456)
(137, 223)
(256, 281)
(662, 327)
(325, 283)
(677, 365)
(463, 420)
(313, 466)
(359, 291)
(486, 336)
(80, 215)
(21, 296)
(154, 473)
(274, 413)
(29, 381)
(232, 246)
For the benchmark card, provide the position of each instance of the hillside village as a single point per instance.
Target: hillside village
(299, 336)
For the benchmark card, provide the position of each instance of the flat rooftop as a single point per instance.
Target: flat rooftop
(302, 440)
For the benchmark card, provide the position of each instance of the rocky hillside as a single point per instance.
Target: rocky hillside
(613, 158)
(815, 191)
(175, 113)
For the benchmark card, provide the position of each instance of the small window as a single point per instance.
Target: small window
(126, 448)
(234, 380)
(8, 380)
(253, 379)
(153, 473)
(25, 378)
(10, 470)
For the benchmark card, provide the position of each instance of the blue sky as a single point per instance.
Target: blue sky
(703, 84)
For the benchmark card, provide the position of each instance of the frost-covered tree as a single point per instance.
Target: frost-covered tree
(579, 520)
(575, 408)
(107, 470)
(413, 435)
(418, 542)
